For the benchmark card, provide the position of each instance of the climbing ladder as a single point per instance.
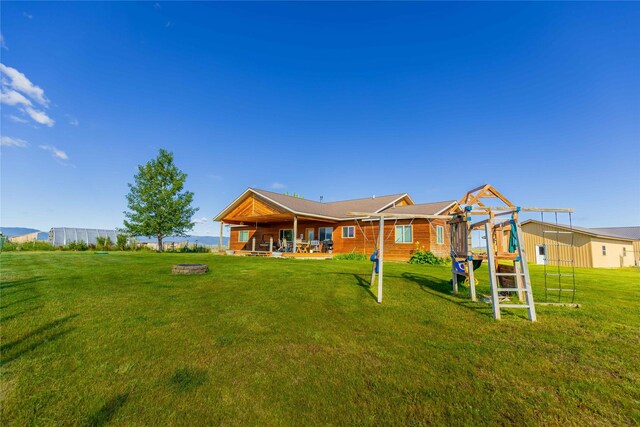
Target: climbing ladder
(520, 274)
(563, 259)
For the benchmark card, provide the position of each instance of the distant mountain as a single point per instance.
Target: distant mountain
(44, 235)
(16, 231)
(202, 240)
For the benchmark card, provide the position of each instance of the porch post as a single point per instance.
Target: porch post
(295, 232)
(220, 241)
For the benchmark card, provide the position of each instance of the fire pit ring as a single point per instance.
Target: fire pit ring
(189, 268)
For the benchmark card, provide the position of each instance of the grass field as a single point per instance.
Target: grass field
(115, 339)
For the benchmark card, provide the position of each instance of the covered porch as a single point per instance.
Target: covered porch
(259, 227)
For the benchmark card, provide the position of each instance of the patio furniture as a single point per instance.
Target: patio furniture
(302, 247)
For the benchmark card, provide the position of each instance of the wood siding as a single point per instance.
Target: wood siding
(365, 235)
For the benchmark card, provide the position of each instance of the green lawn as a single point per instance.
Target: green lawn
(116, 339)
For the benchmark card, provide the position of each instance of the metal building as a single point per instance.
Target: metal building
(62, 236)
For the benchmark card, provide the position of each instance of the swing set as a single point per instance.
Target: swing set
(505, 252)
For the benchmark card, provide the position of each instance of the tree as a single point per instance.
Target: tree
(157, 205)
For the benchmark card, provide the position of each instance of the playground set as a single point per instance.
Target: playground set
(504, 250)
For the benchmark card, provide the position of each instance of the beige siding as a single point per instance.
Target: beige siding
(587, 250)
(614, 253)
(636, 252)
(533, 235)
(23, 238)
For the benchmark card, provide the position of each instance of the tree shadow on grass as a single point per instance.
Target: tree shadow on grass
(13, 316)
(363, 283)
(108, 410)
(45, 334)
(6, 294)
(443, 289)
(14, 283)
(3, 307)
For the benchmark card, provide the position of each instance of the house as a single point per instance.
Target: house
(608, 247)
(261, 220)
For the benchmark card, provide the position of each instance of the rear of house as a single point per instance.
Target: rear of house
(261, 220)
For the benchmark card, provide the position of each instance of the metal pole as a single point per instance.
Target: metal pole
(380, 257)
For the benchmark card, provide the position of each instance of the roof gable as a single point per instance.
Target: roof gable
(281, 204)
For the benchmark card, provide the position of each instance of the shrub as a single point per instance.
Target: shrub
(77, 246)
(353, 256)
(121, 242)
(104, 243)
(426, 257)
(100, 242)
(38, 245)
(186, 249)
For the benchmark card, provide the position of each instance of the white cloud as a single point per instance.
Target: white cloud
(278, 186)
(201, 220)
(17, 119)
(73, 121)
(39, 116)
(8, 141)
(55, 152)
(27, 15)
(11, 97)
(21, 83)
(3, 44)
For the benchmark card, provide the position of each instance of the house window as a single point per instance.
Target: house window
(404, 234)
(440, 234)
(624, 251)
(604, 250)
(348, 232)
(325, 233)
(286, 235)
(243, 236)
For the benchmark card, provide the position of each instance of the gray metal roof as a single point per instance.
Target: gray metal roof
(337, 210)
(599, 232)
(625, 232)
(434, 208)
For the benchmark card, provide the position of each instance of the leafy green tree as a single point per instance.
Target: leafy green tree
(157, 204)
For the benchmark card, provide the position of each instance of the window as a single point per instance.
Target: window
(624, 251)
(310, 234)
(325, 233)
(348, 232)
(404, 234)
(440, 234)
(243, 236)
(286, 235)
(604, 250)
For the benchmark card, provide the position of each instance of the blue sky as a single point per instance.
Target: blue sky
(340, 100)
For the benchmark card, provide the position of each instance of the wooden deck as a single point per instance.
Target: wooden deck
(316, 255)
